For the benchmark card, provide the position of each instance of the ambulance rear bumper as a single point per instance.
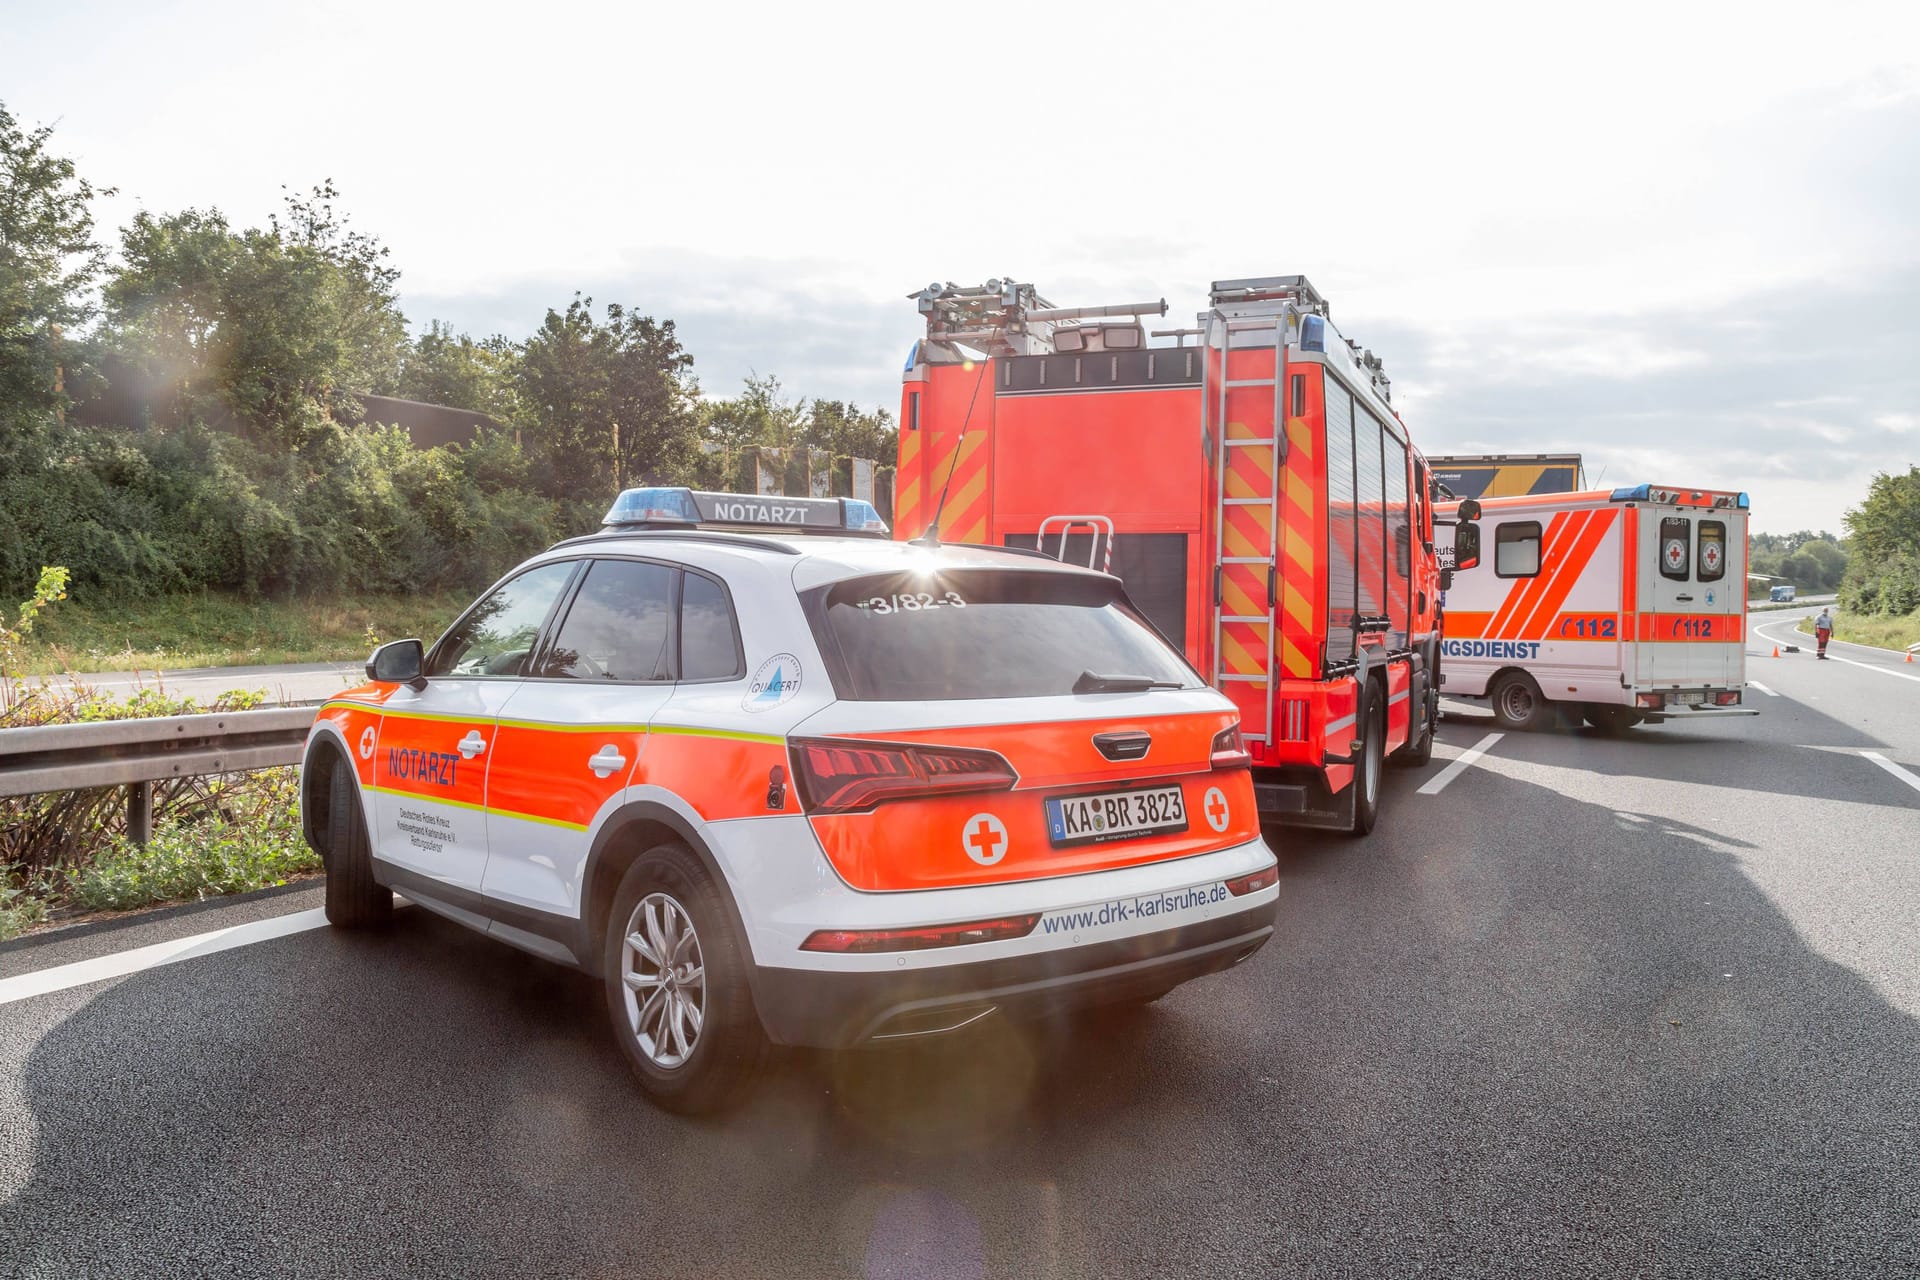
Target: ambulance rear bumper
(840, 1009)
(1695, 713)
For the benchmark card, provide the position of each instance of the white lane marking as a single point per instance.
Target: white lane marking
(1868, 666)
(1892, 768)
(121, 963)
(1460, 765)
(1834, 657)
(1755, 684)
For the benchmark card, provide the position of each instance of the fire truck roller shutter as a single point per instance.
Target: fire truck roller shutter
(1152, 565)
(1370, 544)
(1399, 543)
(1342, 568)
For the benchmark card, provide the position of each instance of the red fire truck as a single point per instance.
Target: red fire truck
(1248, 480)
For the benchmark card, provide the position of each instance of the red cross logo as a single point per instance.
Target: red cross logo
(1216, 809)
(985, 839)
(1676, 554)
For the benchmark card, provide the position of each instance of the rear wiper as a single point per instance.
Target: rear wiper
(1094, 682)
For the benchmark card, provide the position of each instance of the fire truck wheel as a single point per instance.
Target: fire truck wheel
(1419, 752)
(1517, 703)
(354, 901)
(1373, 754)
(676, 980)
(1611, 720)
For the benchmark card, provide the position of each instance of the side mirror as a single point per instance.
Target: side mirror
(1466, 546)
(397, 662)
(1469, 509)
(1446, 579)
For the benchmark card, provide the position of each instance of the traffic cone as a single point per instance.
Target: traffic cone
(1909, 655)
(1776, 651)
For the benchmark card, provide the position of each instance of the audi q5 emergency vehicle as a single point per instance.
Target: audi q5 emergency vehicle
(776, 778)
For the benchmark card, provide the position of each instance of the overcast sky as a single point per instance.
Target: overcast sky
(1682, 239)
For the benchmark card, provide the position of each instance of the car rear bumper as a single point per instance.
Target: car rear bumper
(837, 1009)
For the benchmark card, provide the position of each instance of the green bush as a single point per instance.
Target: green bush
(356, 510)
(247, 838)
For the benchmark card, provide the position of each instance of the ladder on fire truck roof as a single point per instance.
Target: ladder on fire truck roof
(1250, 444)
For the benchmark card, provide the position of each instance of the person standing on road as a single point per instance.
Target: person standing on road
(1822, 628)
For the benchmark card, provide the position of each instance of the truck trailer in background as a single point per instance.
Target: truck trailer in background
(1508, 475)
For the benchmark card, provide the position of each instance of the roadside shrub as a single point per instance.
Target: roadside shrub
(354, 510)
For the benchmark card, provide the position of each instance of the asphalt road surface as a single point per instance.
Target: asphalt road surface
(1593, 1007)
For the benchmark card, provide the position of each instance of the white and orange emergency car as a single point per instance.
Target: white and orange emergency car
(1619, 606)
(776, 781)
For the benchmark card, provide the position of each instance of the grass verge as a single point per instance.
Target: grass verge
(212, 630)
(1878, 630)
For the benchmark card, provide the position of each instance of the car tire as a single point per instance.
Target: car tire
(1518, 703)
(1611, 721)
(354, 899)
(695, 1046)
(1371, 766)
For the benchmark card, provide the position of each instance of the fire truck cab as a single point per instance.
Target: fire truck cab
(1247, 479)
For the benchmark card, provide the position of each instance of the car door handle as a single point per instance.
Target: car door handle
(1688, 599)
(604, 761)
(471, 745)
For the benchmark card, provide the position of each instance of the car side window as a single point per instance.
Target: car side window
(497, 635)
(619, 626)
(709, 640)
(1676, 547)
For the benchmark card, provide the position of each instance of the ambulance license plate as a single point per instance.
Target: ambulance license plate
(1690, 698)
(1115, 815)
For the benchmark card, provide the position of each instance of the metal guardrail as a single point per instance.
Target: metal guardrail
(137, 753)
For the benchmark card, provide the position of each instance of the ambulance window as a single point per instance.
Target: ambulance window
(495, 636)
(1516, 549)
(1712, 551)
(618, 626)
(1676, 537)
(709, 639)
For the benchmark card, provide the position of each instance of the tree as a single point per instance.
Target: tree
(1883, 571)
(282, 324)
(610, 404)
(48, 264)
(452, 369)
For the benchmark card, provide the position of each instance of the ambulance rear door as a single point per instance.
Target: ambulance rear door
(1693, 606)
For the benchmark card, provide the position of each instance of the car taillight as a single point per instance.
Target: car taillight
(1727, 698)
(1651, 700)
(1228, 751)
(1254, 883)
(857, 941)
(845, 775)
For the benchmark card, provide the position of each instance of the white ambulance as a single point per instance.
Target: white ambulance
(1619, 607)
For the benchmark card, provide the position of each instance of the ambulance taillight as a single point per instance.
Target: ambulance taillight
(844, 775)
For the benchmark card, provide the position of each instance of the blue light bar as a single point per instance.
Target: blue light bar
(653, 506)
(671, 505)
(861, 516)
(1639, 493)
(1313, 333)
(1741, 502)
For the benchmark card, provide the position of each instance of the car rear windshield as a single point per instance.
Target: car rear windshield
(982, 634)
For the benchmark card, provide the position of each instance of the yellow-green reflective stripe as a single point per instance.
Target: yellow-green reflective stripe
(465, 804)
(689, 732)
(422, 796)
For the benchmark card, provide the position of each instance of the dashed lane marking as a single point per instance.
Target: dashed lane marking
(1893, 769)
(1460, 765)
(42, 982)
(1755, 684)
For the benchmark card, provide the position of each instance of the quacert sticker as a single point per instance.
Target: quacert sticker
(775, 684)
